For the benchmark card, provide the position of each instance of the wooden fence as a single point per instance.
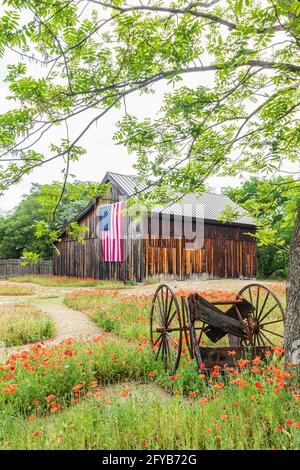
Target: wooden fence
(13, 267)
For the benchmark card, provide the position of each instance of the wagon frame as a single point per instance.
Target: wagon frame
(193, 318)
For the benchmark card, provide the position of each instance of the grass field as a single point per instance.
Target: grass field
(24, 323)
(64, 281)
(62, 397)
(109, 393)
(11, 289)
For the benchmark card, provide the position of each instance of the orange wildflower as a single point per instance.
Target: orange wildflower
(224, 417)
(257, 361)
(50, 397)
(77, 387)
(152, 374)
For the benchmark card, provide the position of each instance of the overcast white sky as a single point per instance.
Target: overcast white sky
(103, 154)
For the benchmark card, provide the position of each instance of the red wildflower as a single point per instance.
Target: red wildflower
(259, 385)
(214, 373)
(69, 352)
(77, 387)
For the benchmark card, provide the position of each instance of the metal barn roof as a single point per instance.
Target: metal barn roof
(213, 204)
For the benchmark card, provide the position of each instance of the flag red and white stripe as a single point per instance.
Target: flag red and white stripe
(111, 226)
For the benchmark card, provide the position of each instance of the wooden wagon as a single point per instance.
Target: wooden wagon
(249, 325)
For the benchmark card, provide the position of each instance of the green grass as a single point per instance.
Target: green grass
(64, 281)
(24, 323)
(11, 289)
(62, 397)
(146, 419)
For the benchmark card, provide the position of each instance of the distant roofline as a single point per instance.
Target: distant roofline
(109, 174)
(135, 176)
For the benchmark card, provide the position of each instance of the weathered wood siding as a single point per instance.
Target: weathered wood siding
(227, 252)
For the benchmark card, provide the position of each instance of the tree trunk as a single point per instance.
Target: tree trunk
(292, 322)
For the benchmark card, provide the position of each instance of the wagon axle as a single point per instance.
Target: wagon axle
(253, 321)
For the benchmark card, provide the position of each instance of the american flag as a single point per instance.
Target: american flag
(111, 231)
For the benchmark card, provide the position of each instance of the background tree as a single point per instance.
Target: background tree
(98, 53)
(273, 203)
(34, 225)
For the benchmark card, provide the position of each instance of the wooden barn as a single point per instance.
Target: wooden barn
(226, 250)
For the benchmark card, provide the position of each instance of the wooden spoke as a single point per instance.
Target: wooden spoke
(158, 303)
(270, 322)
(171, 319)
(159, 348)
(172, 339)
(169, 349)
(263, 306)
(268, 313)
(155, 343)
(157, 317)
(169, 309)
(259, 336)
(268, 339)
(273, 333)
(257, 302)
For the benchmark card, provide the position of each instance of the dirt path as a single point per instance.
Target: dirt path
(230, 285)
(69, 323)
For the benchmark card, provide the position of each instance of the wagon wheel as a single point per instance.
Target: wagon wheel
(166, 328)
(266, 322)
